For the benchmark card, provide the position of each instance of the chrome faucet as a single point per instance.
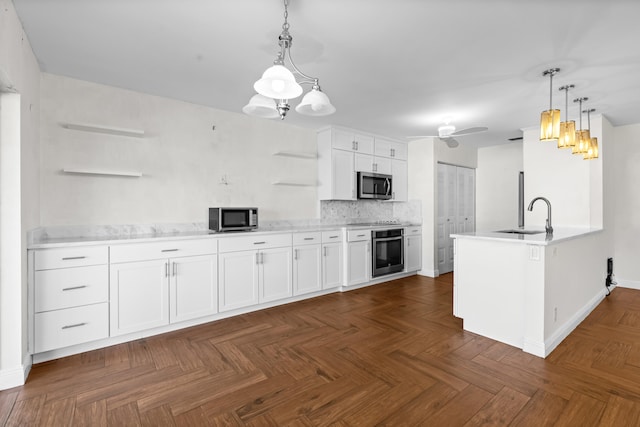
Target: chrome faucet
(548, 228)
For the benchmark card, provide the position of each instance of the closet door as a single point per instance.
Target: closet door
(456, 210)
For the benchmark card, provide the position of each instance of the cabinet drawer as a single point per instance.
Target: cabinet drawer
(159, 250)
(307, 238)
(358, 235)
(332, 236)
(71, 287)
(243, 243)
(62, 328)
(412, 231)
(71, 257)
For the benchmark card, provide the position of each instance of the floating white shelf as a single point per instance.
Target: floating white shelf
(136, 133)
(297, 154)
(295, 183)
(102, 172)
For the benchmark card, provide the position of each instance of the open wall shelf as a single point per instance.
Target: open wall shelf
(297, 154)
(136, 133)
(102, 172)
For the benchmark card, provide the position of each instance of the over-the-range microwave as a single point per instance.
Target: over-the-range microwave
(374, 186)
(233, 219)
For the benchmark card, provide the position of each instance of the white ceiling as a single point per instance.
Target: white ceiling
(390, 67)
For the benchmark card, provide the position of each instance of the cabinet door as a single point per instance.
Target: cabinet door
(359, 262)
(400, 180)
(237, 279)
(331, 265)
(139, 294)
(382, 165)
(413, 251)
(193, 290)
(275, 274)
(343, 179)
(307, 274)
(364, 163)
(343, 140)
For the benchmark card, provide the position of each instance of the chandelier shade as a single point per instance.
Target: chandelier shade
(278, 82)
(567, 138)
(592, 152)
(549, 125)
(261, 106)
(550, 119)
(315, 103)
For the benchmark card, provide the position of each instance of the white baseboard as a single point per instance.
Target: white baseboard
(16, 376)
(556, 338)
(631, 284)
(428, 273)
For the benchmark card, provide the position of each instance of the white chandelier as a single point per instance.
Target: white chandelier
(278, 85)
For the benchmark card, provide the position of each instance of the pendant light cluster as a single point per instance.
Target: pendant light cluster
(579, 140)
(278, 85)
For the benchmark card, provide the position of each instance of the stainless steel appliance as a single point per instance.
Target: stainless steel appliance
(374, 186)
(233, 219)
(388, 251)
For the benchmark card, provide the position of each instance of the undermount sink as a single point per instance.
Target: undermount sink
(517, 231)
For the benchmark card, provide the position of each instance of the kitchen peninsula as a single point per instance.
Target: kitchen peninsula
(527, 290)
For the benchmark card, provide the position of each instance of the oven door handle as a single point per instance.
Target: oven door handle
(387, 239)
(387, 185)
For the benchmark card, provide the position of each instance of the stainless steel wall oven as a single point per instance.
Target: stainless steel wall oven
(387, 251)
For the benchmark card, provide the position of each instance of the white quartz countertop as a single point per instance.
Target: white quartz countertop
(559, 234)
(127, 237)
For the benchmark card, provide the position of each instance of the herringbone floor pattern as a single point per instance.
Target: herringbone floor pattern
(390, 354)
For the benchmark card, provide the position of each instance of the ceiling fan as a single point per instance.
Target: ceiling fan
(447, 132)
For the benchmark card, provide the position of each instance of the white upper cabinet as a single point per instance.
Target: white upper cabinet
(343, 152)
(388, 148)
(351, 141)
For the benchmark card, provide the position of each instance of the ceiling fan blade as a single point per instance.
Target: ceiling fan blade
(469, 131)
(451, 143)
(422, 136)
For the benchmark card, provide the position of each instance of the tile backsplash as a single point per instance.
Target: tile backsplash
(344, 211)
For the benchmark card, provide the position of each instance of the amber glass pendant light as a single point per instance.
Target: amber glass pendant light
(550, 119)
(567, 136)
(592, 146)
(583, 137)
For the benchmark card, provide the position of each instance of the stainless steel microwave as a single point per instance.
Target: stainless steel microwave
(375, 186)
(233, 219)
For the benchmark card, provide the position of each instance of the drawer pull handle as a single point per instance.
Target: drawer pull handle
(333, 237)
(361, 235)
(169, 250)
(309, 238)
(74, 326)
(73, 288)
(259, 243)
(73, 257)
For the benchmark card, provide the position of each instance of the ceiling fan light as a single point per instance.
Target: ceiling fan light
(549, 125)
(278, 82)
(446, 130)
(315, 103)
(567, 136)
(261, 106)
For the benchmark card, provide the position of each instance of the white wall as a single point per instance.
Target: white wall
(181, 157)
(626, 205)
(19, 76)
(424, 155)
(497, 186)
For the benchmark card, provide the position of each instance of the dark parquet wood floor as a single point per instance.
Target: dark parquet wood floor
(390, 354)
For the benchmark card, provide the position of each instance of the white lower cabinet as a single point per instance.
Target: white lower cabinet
(413, 249)
(139, 296)
(251, 276)
(332, 259)
(147, 293)
(358, 256)
(70, 292)
(307, 270)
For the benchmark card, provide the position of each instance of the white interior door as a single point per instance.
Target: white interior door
(455, 210)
